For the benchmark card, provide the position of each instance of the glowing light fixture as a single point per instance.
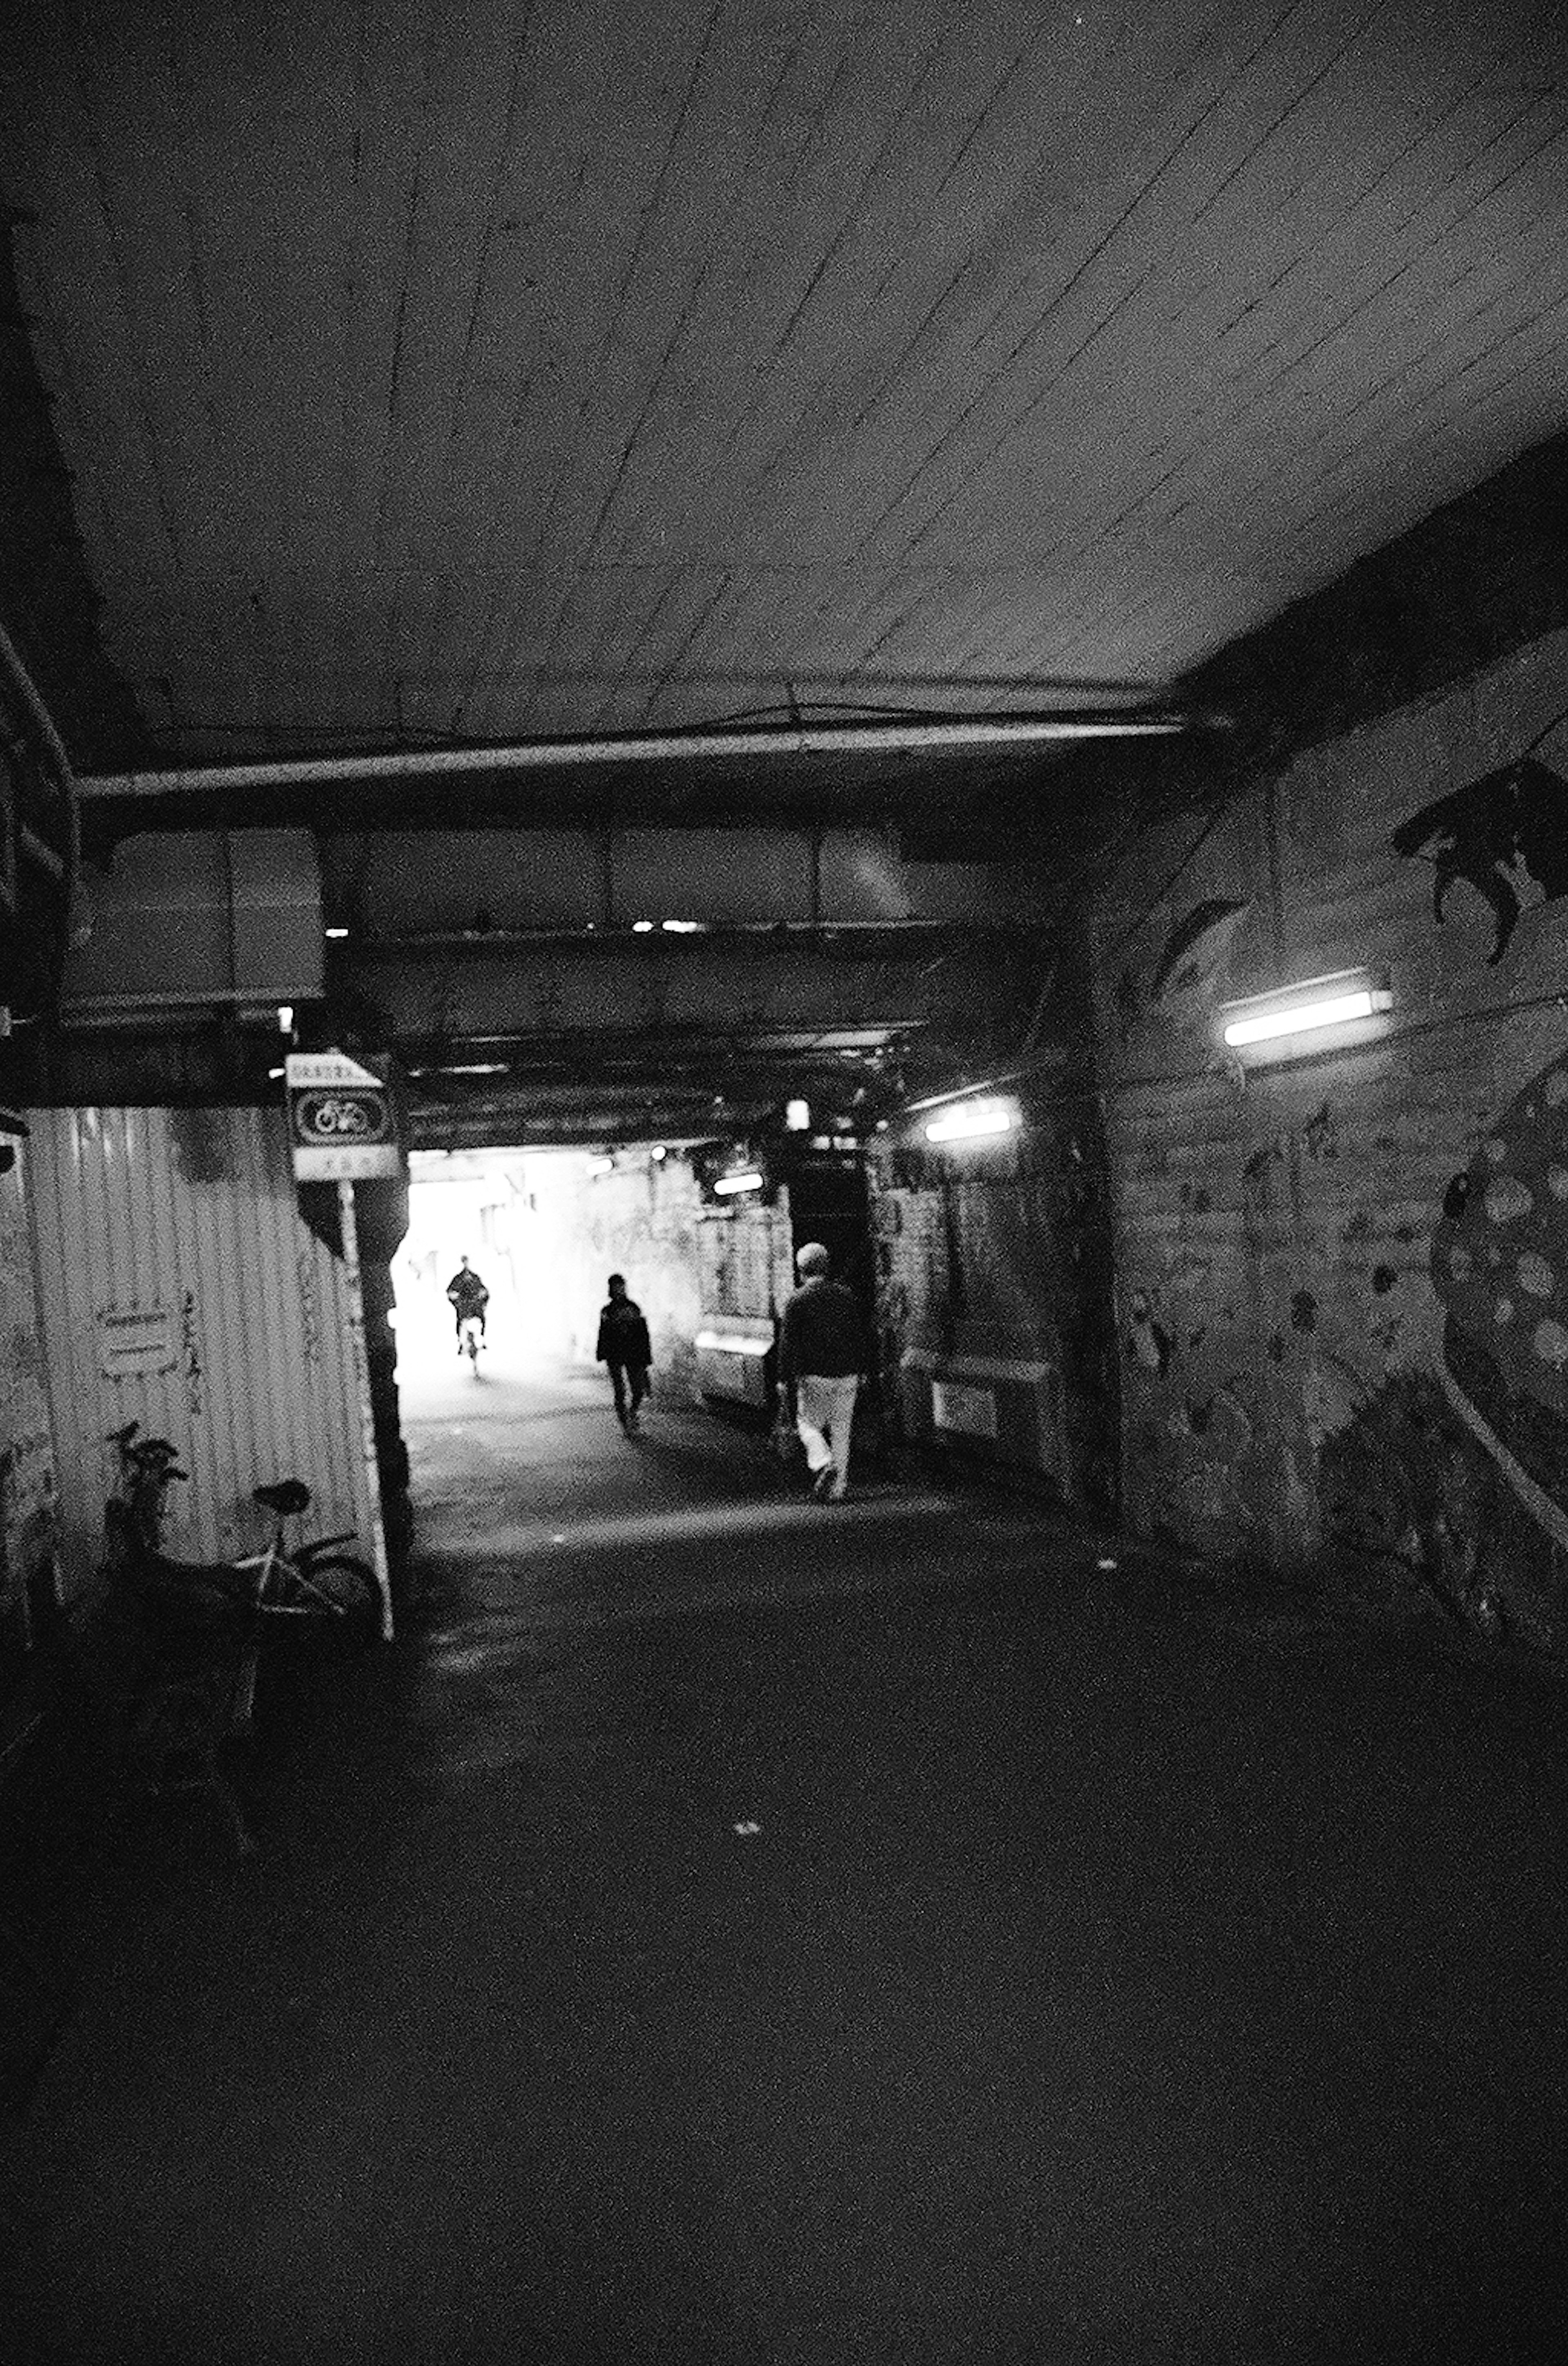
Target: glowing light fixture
(748, 1181)
(1315, 1007)
(797, 1116)
(683, 928)
(337, 932)
(642, 928)
(967, 1121)
(286, 1019)
(601, 1166)
(658, 1153)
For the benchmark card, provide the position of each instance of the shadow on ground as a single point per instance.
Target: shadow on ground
(726, 1930)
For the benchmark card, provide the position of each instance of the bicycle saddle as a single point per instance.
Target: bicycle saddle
(285, 1496)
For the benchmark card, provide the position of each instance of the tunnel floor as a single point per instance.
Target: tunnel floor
(728, 1929)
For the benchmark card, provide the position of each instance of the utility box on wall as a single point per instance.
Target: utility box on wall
(180, 1288)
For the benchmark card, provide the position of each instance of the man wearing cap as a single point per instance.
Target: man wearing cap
(821, 1358)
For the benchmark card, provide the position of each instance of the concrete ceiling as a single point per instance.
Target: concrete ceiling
(442, 370)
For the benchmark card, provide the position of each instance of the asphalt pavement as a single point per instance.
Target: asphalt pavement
(724, 1928)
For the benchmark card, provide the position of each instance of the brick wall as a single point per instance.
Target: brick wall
(994, 1317)
(1317, 1359)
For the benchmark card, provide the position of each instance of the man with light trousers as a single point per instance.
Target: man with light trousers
(822, 1353)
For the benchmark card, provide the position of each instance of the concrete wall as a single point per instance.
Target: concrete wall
(1342, 1282)
(641, 1221)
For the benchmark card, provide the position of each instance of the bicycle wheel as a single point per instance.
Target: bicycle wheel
(336, 1600)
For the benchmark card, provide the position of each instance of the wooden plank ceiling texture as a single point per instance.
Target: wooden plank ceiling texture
(490, 367)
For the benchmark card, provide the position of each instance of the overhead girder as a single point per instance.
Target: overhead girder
(534, 879)
(739, 989)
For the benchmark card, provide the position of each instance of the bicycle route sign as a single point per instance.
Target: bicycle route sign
(343, 1125)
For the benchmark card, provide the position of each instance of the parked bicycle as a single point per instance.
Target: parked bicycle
(180, 1639)
(332, 1593)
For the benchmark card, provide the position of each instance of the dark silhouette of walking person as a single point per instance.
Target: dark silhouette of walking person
(822, 1353)
(624, 1346)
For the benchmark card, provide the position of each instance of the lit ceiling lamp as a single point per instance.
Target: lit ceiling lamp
(797, 1116)
(747, 1179)
(968, 1121)
(601, 1166)
(1329, 1010)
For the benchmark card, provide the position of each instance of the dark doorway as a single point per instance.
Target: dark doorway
(828, 1201)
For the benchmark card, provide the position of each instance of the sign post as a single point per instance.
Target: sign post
(342, 1130)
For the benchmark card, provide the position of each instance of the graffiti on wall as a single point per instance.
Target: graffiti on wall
(1182, 984)
(1496, 833)
(1500, 1268)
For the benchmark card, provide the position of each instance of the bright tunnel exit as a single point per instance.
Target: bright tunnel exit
(543, 1229)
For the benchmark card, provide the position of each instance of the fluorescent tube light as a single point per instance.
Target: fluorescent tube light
(750, 1181)
(601, 1166)
(337, 932)
(1318, 1003)
(682, 928)
(968, 1119)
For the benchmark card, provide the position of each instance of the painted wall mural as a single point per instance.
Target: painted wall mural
(1510, 825)
(1181, 986)
(1500, 1267)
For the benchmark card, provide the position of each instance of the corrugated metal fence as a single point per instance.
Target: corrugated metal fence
(180, 1288)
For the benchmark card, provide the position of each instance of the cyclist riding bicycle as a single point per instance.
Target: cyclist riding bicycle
(469, 1298)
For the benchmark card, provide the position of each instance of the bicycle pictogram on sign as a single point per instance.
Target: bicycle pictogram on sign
(343, 1119)
(343, 1116)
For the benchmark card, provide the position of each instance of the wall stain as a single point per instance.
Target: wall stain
(1320, 1136)
(1303, 1310)
(1148, 1342)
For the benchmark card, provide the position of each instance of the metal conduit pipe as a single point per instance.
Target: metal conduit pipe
(880, 737)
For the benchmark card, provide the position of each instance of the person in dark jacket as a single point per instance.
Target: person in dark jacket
(822, 1355)
(624, 1345)
(469, 1297)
